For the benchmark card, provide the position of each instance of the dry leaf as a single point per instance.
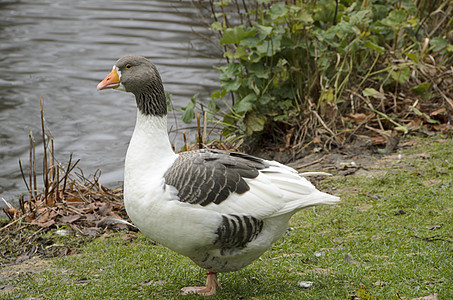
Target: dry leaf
(92, 231)
(288, 138)
(439, 111)
(364, 206)
(104, 209)
(358, 118)
(320, 270)
(429, 297)
(442, 127)
(13, 211)
(152, 282)
(90, 217)
(435, 227)
(22, 258)
(47, 224)
(349, 259)
(70, 218)
(408, 144)
(415, 123)
(378, 140)
(128, 237)
(74, 201)
(431, 182)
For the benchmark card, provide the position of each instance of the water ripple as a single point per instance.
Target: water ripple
(60, 50)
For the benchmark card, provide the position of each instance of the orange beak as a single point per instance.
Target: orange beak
(112, 81)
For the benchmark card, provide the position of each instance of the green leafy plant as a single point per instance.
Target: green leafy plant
(294, 69)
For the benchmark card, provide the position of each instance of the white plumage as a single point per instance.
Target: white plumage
(221, 209)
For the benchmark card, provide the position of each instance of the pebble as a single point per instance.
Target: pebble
(305, 284)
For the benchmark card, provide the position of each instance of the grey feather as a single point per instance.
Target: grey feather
(210, 176)
(236, 231)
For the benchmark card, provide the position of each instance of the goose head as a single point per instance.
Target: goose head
(139, 76)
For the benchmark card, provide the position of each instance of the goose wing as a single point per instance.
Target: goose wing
(236, 183)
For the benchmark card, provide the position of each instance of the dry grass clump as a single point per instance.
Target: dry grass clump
(66, 198)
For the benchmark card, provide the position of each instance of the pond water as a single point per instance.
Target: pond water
(60, 50)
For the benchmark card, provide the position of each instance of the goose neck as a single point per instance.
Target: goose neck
(150, 142)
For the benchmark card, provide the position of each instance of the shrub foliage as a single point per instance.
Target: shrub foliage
(297, 69)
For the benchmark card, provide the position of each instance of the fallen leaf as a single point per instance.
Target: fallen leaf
(47, 224)
(364, 206)
(74, 201)
(431, 182)
(363, 294)
(104, 209)
(439, 111)
(320, 270)
(90, 217)
(442, 127)
(286, 255)
(415, 123)
(408, 144)
(70, 218)
(429, 297)
(12, 211)
(22, 258)
(441, 141)
(91, 231)
(435, 227)
(128, 237)
(421, 155)
(120, 226)
(358, 118)
(152, 282)
(349, 259)
(345, 165)
(288, 138)
(347, 172)
(316, 140)
(378, 140)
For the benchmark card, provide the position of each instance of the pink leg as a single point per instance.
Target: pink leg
(212, 283)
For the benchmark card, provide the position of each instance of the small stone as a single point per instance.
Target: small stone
(62, 232)
(399, 212)
(305, 284)
(318, 254)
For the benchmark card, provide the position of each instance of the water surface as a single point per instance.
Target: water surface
(60, 50)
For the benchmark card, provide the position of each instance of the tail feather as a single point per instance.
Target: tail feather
(317, 198)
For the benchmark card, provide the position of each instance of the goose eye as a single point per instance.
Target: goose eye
(128, 66)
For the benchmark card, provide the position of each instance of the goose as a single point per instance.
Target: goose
(221, 209)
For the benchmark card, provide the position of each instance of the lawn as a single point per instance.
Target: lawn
(389, 238)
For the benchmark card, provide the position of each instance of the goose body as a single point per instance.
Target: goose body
(221, 209)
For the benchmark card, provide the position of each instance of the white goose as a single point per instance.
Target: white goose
(221, 209)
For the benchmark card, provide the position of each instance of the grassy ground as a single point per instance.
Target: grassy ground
(390, 238)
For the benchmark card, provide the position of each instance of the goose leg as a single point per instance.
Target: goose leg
(212, 283)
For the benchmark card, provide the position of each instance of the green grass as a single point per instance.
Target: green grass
(378, 238)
